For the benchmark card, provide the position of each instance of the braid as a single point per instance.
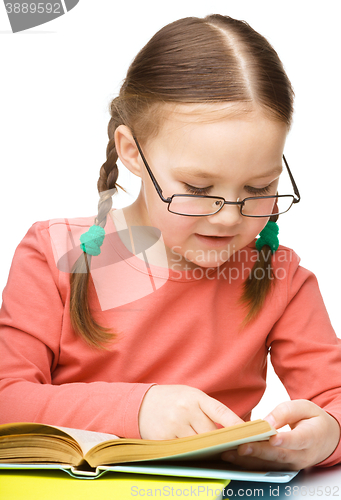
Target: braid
(106, 183)
(259, 283)
(109, 172)
(81, 318)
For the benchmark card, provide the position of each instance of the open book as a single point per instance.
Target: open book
(85, 452)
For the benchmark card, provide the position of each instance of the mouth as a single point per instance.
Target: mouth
(214, 241)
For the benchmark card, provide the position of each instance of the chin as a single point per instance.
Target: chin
(210, 263)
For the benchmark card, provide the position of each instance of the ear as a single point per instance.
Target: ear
(127, 150)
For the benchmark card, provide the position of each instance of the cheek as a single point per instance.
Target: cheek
(255, 226)
(173, 227)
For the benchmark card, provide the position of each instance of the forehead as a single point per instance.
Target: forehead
(202, 133)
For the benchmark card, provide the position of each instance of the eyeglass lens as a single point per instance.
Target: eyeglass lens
(252, 207)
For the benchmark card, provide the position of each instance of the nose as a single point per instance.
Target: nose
(229, 215)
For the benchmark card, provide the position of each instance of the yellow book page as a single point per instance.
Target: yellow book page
(57, 485)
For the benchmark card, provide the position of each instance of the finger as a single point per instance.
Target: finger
(218, 412)
(291, 412)
(278, 455)
(256, 463)
(201, 422)
(185, 431)
(300, 438)
(261, 450)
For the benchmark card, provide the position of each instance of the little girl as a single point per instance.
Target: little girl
(155, 321)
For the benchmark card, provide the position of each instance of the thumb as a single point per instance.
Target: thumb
(291, 412)
(218, 412)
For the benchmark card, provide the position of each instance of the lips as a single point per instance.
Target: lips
(216, 235)
(214, 240)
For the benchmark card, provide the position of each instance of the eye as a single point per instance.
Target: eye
(259, 191)
(200, 191)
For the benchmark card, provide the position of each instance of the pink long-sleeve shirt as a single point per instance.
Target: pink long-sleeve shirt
(173, 328)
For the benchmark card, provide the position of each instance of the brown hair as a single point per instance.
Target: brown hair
(211, 60)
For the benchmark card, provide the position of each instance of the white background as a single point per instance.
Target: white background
(57, 81)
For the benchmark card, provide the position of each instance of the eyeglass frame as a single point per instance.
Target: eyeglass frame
(241, 203)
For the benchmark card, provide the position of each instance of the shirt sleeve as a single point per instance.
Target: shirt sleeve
(32, 319)
(304, 349)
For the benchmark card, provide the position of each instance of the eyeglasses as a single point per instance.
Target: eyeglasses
(196, 205)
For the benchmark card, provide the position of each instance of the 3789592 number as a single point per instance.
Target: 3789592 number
(33, 8)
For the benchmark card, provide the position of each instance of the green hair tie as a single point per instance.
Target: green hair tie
(92, 240)
(268, 236)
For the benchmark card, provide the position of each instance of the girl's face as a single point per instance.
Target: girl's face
(233, 157)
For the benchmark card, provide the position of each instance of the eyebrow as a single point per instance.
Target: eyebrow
(195, 173)
(208, 175)
(275, 171)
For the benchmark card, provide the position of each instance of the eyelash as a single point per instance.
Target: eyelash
(193, 190)
(251, 190)
(258, 191)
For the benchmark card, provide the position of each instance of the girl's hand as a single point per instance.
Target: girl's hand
(314, 436)
(174, 411)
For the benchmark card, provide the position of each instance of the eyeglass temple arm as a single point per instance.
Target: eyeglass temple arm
(151, 175)
(296, 191)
